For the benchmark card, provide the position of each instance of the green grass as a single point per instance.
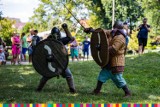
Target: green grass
(142, 73)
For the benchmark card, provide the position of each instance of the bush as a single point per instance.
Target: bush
(133, 42)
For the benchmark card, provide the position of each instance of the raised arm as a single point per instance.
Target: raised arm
(88, 30)
(69, 37)
(68, 33)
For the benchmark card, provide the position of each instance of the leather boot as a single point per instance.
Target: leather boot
(126, 90)
(95, 92)
(71, 86)
(41, 84)
(98, 88)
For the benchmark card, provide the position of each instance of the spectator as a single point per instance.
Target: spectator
(86, 44)
(3, 45)
(126, 32)
(80, 50)
(143, 35)
(35, 40)
(74, 50)
(24, 46)
(15, 48)
(29, 40)
(2, 56)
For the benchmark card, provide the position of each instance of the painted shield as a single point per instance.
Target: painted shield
(50, 58)
(99, 47)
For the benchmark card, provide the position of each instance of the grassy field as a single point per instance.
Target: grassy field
(18, 83)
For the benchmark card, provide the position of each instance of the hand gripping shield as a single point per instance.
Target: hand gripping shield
(99, 47)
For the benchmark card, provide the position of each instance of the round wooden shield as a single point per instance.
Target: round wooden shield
(50, 58)
(99, 47)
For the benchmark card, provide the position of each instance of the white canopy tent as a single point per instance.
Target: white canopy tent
(46, 33)
(41, 34)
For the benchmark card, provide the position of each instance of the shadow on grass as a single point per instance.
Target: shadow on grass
(18, 83)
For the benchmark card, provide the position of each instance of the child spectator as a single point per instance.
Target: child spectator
(2, 56)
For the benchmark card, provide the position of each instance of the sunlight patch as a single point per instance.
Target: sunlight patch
(27, 73)
(17, 85)
(153, 97)
(27, 67)
(76, 94)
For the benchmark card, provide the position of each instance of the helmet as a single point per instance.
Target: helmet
(118, 25)
(55, 33)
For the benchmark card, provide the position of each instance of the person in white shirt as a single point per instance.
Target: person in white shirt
(29, 40)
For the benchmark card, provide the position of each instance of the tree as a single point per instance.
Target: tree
(50, 14)
(6, 30)
(27, 27)
(100, 14)
(152, 12)
(129, 11)
(97, 13)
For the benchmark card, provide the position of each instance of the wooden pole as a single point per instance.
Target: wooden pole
(113, 12)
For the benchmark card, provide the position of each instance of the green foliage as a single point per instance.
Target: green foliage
(149, 46)
(133, 42)
(6, 30)
(129, 11)
(27, 27)
(152, 10)
(124, 10)
(39, 18)
(154, 47)
(99, 14)
(18, 83)
(50, 14)
(100, 11)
